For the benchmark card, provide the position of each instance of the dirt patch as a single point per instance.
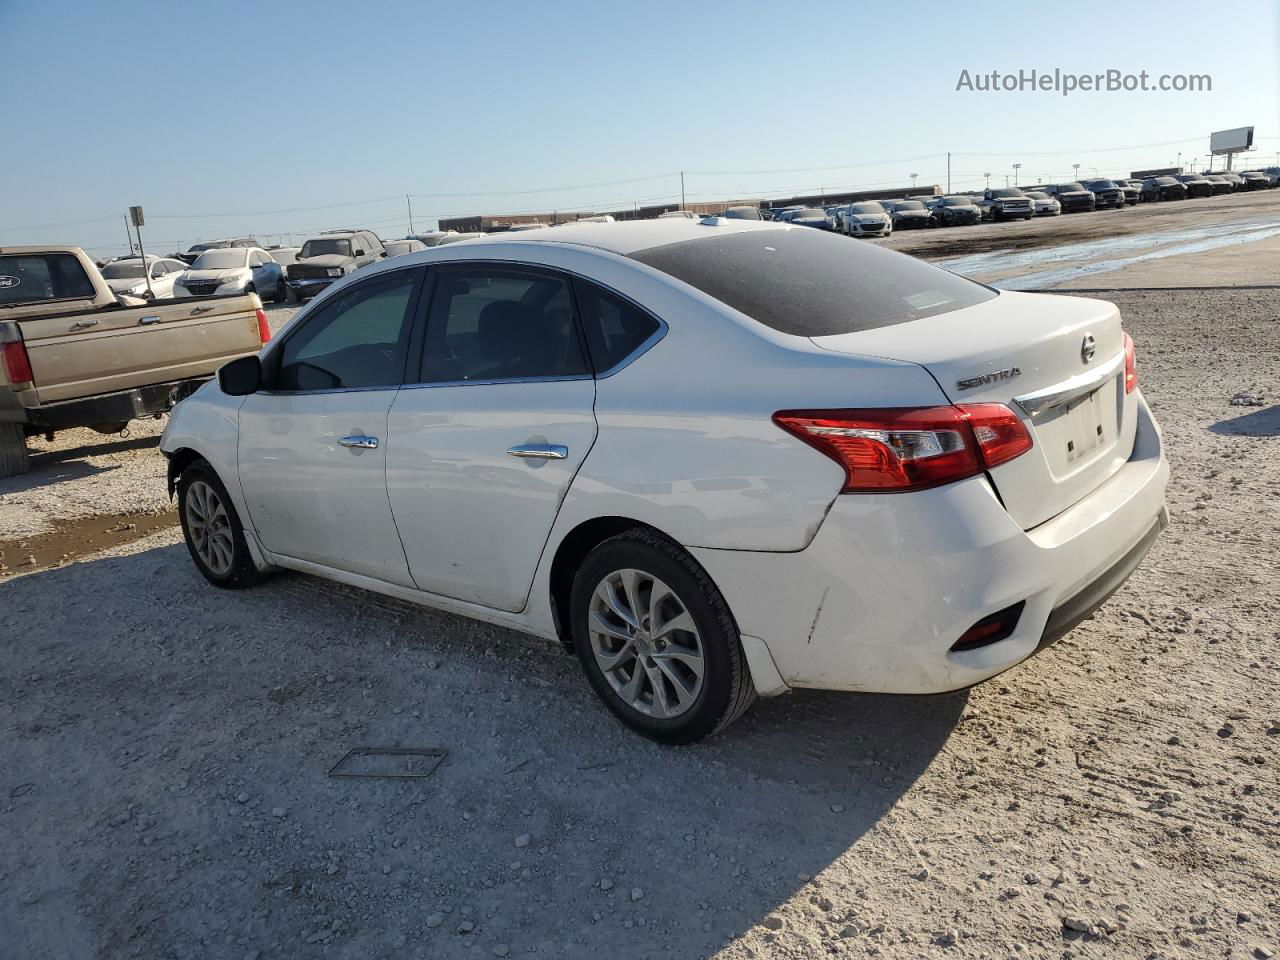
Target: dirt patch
(71, 540)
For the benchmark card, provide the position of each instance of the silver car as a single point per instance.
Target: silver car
(865, 219)
(233, 270)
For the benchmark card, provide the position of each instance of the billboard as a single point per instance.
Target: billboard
(1231, 141)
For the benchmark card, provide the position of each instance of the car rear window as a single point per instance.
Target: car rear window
(32, 277)
(809, 283)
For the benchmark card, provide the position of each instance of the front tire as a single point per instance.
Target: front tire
(212, 529)
(282, 292)
(657, 641)
(14, 458)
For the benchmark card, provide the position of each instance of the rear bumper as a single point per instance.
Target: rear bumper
(890, 582)
(110, 408)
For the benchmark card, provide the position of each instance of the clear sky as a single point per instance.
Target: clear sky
(237, 117)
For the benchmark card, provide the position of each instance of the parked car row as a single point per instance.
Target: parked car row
(879, 218)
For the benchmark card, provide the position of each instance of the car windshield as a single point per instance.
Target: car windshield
(226, 259)
(201, 247)
(326, 246)
(742, 213)
(956, 202)
(1037, 195)
(908, 205)
(812, 283)
(1165, 181)
(1102, 185)
(1007, 192)
(865, 208)
(123, 270)
(1072, 188)
(809, 213)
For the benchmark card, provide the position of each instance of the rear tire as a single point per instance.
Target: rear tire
(14, 458)
(640, 603)
(212, 529)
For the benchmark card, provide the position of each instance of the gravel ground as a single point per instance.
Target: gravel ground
(164, 789)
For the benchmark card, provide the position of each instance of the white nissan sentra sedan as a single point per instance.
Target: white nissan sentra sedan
(717, 459)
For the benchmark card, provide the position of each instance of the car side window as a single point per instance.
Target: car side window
(158, 270)
(614, 328)
(500, 324)
(357, 338)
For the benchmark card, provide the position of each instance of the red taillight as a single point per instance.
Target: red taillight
(264, 330)
(901, 448)
(1001, 436)
(1130, 364)
(17, 365)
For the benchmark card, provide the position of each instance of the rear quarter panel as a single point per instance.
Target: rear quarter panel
(686, 440)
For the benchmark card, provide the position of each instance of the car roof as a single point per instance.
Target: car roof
(626, 237)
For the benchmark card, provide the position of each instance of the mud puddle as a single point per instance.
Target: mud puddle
(72, 540)
(998, 261)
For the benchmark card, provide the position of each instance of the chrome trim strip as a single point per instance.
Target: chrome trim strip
(540, 451)
(478, 383)
(1040, 402)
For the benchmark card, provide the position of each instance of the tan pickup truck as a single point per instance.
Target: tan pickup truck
(72, 354)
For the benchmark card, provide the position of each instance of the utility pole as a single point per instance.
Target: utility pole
(681, 189)
(988, 176)
(948, 171)
(913, 182)
(1015, 173)
(128, 237)
(1075, 171)
(410, 206)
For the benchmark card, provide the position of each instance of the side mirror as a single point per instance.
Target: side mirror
(241, 377)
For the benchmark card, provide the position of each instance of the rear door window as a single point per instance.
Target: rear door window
(488, 324)
(33, 277)
(811, 283)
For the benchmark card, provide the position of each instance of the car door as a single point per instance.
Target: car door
(312, 446)
(264, 275)
(483, 447)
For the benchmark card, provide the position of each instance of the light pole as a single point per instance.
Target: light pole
(1075, 171)
(1016, 166)
(988, 176)
(913, 182)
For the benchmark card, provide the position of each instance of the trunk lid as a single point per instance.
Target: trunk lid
(1028, 351)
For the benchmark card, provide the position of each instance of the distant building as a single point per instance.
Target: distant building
(1161, 172)
(497, 222)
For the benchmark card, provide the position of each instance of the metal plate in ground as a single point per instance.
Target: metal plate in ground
(389, 763)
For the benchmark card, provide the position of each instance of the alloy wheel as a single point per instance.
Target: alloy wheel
(209, 528)
(646, 643)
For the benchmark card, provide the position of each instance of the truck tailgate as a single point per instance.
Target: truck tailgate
(84, 354)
